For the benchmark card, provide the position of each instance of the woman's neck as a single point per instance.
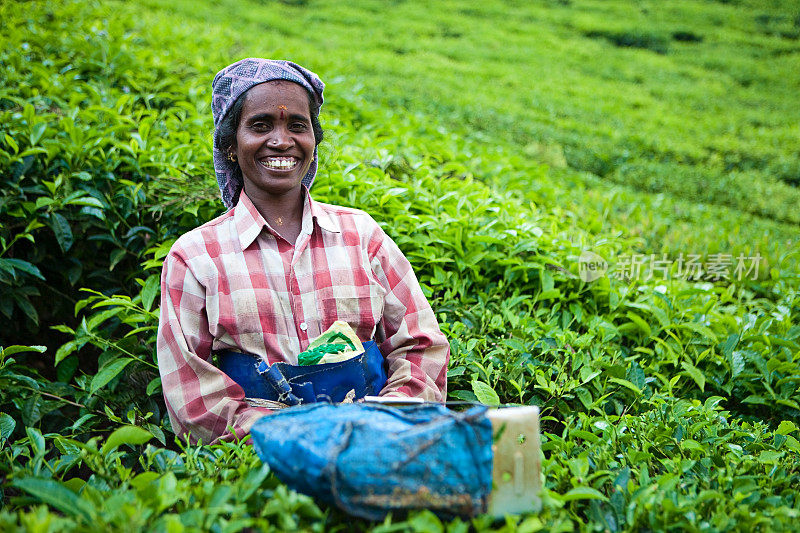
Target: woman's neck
(283, 213)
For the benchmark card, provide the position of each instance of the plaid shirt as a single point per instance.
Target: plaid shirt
(234, 283)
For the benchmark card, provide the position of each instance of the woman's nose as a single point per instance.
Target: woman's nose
(280, 139)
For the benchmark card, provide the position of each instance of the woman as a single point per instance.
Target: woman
(278, 268)
(275, 272)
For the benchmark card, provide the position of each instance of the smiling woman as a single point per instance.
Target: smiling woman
(280, 273)
(278, 269)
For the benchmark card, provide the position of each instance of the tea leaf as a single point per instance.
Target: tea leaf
(584, 493)
(133, 435)
(7, 425)
(485, 394)
(695, 374)
(109, 372)
(56, 494)
(62, 231)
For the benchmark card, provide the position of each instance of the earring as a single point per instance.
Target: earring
(231, 157)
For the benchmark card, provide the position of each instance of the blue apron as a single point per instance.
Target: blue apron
(366, 459)
(295, 385)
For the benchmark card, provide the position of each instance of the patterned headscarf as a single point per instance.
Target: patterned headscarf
(232, 82)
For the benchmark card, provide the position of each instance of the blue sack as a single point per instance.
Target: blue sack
(294, 385)
(370, 459)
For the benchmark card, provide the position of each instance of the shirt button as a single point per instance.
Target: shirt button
(303, 326)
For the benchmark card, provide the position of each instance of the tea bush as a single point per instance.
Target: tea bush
(666, 403)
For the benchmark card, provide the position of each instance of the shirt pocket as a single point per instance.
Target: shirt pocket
(361, 307)
(253, 311)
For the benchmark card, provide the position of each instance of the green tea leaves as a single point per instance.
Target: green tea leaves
(57, 495)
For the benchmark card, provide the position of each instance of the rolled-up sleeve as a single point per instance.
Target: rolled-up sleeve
(202, 401)
(416, 351)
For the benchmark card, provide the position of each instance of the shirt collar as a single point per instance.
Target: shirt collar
(249, 221)
(322, 216)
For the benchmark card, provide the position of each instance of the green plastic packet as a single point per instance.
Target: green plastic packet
(338, 343)
(313, 356)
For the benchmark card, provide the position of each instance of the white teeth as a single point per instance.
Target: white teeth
(282, 163)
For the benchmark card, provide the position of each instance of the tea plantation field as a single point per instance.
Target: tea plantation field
(505, 146)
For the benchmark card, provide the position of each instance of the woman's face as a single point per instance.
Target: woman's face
(274, 140)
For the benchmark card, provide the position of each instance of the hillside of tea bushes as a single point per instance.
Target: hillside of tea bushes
(496, 143)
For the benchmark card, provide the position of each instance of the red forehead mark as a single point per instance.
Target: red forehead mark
(281, 107)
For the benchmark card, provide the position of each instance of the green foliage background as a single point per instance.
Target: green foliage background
(494, 142)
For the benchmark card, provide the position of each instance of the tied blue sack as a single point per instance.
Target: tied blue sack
(293, 384)
(370, 459)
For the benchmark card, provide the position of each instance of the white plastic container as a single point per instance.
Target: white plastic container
(517, 463)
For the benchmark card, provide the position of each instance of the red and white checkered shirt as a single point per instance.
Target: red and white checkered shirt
(235, 284)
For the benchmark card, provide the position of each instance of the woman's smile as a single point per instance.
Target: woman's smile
(279, 163)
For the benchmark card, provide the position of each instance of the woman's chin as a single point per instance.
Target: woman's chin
(272, 186)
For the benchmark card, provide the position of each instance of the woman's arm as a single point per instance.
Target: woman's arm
(416, 351)
(202, 401)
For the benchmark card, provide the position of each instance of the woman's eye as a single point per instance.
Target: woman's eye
(298, 126)
(260, 126)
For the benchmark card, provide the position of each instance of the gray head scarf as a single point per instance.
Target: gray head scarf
(232, 82)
